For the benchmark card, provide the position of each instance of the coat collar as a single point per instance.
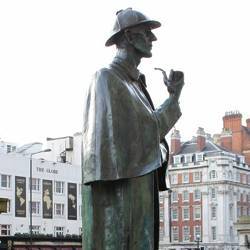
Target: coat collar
(132, 72)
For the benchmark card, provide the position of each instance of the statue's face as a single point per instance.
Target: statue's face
(142, 38)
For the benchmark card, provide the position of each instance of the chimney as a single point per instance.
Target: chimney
(226, 139)
(248, 122)
(175, 142)
(232, 121)
(201, 139)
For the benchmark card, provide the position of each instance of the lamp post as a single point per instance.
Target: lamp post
(42, 151)
(198, 240)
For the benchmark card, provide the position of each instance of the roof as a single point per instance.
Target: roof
(27, 146)
(190, 147)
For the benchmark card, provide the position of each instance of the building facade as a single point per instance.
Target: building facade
(56, 191)
(210, 189)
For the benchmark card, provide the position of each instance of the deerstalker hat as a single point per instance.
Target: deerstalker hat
(128, 18)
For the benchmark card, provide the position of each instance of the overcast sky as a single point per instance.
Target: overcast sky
(50, 49)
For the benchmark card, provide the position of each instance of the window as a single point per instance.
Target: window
(188, 158)
(213, 212)
(8, 149)
(175, 214)
(58, 231)
(238, 195)
(230, 175)
(244, 196)
(186, 233)
(35, 184)
(197, 213)
(231, 211)
(238, 176)
(8, 210)
(161, 214)
(244, 178)
(199, 157)
(59, 187)
(213, 230)
(248, 197)
(231, 232)
(185, 213)
(5, 181)
(185, 177)
(185, 196)
(5, 230)
(197, 232)
(35, 207)
(177, 159)
(175, 234)
(197, 176)
(197, 194)
(174, 179)
(59, 209)
(36, 229)
(213, 193)
(244, 211)
(213, 174)
(238, 211)
(174, 196)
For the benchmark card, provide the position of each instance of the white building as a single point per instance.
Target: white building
(210, 190)
(56, 190)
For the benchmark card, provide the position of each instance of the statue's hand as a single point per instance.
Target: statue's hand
(174, 82)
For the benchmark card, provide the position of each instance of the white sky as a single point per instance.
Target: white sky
(49, 50)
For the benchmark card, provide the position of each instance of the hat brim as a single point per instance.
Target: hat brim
(151, 23)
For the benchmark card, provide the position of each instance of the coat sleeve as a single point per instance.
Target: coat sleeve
(167, 114)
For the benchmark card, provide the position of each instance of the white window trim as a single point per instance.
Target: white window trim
(61, 209)
(177, 217)
(37, 208)
(197, 180)
(8, 181)
(172, 200)
(199, 155)
(62, 188)
(188, 213)
(186, 240)
(61, 231)
(197, 207)
(186, 200)
(213, 217)
(177, 233)
(183, 177)
(177, 159)
(197, 199)
(188, 158)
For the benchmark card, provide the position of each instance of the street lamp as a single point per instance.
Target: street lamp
(42, 151)
(198, 240)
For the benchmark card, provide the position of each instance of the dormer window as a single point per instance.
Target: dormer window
(177, 159)
(188, 158)
(199, 157)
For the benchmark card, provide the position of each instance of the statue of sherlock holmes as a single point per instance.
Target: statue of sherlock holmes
(123, 136)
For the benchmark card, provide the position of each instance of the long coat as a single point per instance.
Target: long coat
(121, 154)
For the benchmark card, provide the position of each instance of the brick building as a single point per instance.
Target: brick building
(210, 189)
(236, 137)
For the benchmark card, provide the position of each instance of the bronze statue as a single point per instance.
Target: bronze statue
(123, 169)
